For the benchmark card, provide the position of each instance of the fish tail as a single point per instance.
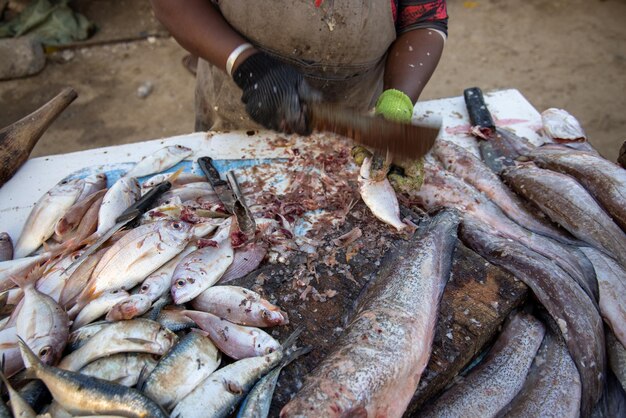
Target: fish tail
(293, 355)
(292, 338)
(31, 361)
(87, 295)
(31, 278)
(175, 175)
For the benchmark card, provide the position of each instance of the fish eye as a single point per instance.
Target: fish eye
(180, 283)
(115, 291)
(176, 225)
(145, 287)
(44, 351)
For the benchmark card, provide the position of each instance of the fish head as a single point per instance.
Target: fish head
(165, 339)
(153, 286)
(181, 150)
(175, 232)
(184, 288)
(274, 316)
(47, 350)
(68, 187)
(264, 343)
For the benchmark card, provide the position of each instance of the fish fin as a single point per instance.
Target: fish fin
(292, 338)
(138, 340)
(175, 175)
(31, 361)
(141, 380)
(31, 278)
(293, 355)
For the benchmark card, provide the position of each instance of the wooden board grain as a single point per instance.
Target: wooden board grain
(476, 301)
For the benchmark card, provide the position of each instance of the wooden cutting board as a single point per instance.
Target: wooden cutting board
(319, 291)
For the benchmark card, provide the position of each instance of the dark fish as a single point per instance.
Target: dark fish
(502, 149)
(576, 316)
(567, 203)
(492, 384)
(552, 387)
(465, 165)
(84, 395)
(377, 363)
(6, 247)
(604, 180)
(443, 189)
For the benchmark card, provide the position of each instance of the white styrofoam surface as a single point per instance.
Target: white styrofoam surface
(509, 108)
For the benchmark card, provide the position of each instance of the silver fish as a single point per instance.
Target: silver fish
(45, 214)
(124, 369)
(183, 368)
(375, 366)
(491, 385)
(19, 267)
(189, 192)
(576, 315)
(80, 394)
(97, 307)
(137, 254)
(41, 322)
(245, 260)
(129, 308)
(612, 284)
(604, 180)
(239, 305)
(6, 247)
(78, 279)
(175, 320)
(257, 403)
(160, 160)
(79, 337)
(237, 341)
(552, 387)
(54, 278)
(471, 169)
(202, 268)
(182, 178)
(158, 283)
(219, 394)
(380, 197)
(136, 335)
(566, 202)
(120, 196)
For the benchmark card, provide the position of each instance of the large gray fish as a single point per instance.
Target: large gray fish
(577, 317)
(566, 202)
(377, 363)
(612, 285)
(160, 160)
(45, 214)
(6, 247)
(443, 189)
(83, 395)
(492, 384)
(123, 369)
(120, 196)
(41, 322)
(137, 254)
(137, 335)
(183, 368)
(240, 305)
(465, 165)
(604, 180)
(552, 387)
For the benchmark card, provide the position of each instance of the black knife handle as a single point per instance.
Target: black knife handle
(143, 204)
(211, 173)
(478, 112)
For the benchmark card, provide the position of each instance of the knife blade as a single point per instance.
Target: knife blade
(127, 217)
(224, 193)
(401, 140)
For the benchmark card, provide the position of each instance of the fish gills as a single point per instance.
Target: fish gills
(377, 363)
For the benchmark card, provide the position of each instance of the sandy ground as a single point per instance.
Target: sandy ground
(559, 53)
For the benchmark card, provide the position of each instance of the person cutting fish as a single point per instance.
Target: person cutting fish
(262, 61)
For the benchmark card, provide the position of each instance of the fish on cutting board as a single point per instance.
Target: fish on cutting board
(160, 160)
(567, 203)
(376, 364)
(119, 197)
(491, 385)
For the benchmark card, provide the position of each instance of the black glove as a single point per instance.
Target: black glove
(275, 94)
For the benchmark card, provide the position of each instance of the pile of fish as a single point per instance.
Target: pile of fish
(118, 297)
(552, 216)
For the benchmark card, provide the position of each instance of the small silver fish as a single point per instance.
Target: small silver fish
(380, 197)
(45, 214)
(129, 308)
(160, 160)
(98, 307)
(158, 283)
(123, 369)
(120, 196)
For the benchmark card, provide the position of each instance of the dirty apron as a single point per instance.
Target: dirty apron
(339, 47)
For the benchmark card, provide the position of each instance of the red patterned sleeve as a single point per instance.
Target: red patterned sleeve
(416, 14)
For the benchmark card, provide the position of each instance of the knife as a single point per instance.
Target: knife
(224, 193)
(127, 218)
(401, 140)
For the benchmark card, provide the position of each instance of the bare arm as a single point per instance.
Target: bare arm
(200, 28)
(411, 61)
